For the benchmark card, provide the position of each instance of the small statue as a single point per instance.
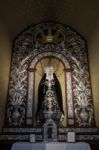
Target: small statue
(49, 133)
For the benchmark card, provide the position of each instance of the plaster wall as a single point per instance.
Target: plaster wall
(5, 57)
(93, 50)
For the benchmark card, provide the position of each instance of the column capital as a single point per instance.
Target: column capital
(31, 69)
(67, 69)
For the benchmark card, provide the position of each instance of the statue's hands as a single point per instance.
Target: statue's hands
(62, 117)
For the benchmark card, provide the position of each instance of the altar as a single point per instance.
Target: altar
(50, 146)
(49, 93)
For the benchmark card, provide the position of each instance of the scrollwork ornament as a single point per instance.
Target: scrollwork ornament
(26, 48)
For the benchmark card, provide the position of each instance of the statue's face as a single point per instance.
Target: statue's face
(49, 72)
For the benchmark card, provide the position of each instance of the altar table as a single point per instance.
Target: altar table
(50, 146)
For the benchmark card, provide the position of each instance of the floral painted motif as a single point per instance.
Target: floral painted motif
(72, 49)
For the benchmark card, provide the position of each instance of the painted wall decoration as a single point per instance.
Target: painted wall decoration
(49, 39)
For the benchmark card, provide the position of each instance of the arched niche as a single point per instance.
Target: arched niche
(65, 81)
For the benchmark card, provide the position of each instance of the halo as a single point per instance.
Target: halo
(51, 62)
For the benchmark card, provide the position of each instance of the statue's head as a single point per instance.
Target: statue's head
(49, 70)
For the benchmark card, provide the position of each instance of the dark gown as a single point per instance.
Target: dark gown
(56, 97)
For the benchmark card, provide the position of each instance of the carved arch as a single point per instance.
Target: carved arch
(31, 77)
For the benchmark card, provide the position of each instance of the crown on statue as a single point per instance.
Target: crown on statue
(50, 35)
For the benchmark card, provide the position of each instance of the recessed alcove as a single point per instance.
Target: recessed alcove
(60, 73)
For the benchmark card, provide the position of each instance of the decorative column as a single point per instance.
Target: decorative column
(70, 112)
(30, 97)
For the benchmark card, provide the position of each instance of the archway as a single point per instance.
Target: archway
(67, 89)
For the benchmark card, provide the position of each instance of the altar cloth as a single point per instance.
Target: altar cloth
(50, 146)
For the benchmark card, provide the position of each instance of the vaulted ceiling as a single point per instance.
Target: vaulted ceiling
(82, 15)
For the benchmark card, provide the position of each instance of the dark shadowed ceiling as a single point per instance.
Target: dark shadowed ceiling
(82, 15)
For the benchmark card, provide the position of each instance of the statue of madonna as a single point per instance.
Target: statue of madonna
(49, 98)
